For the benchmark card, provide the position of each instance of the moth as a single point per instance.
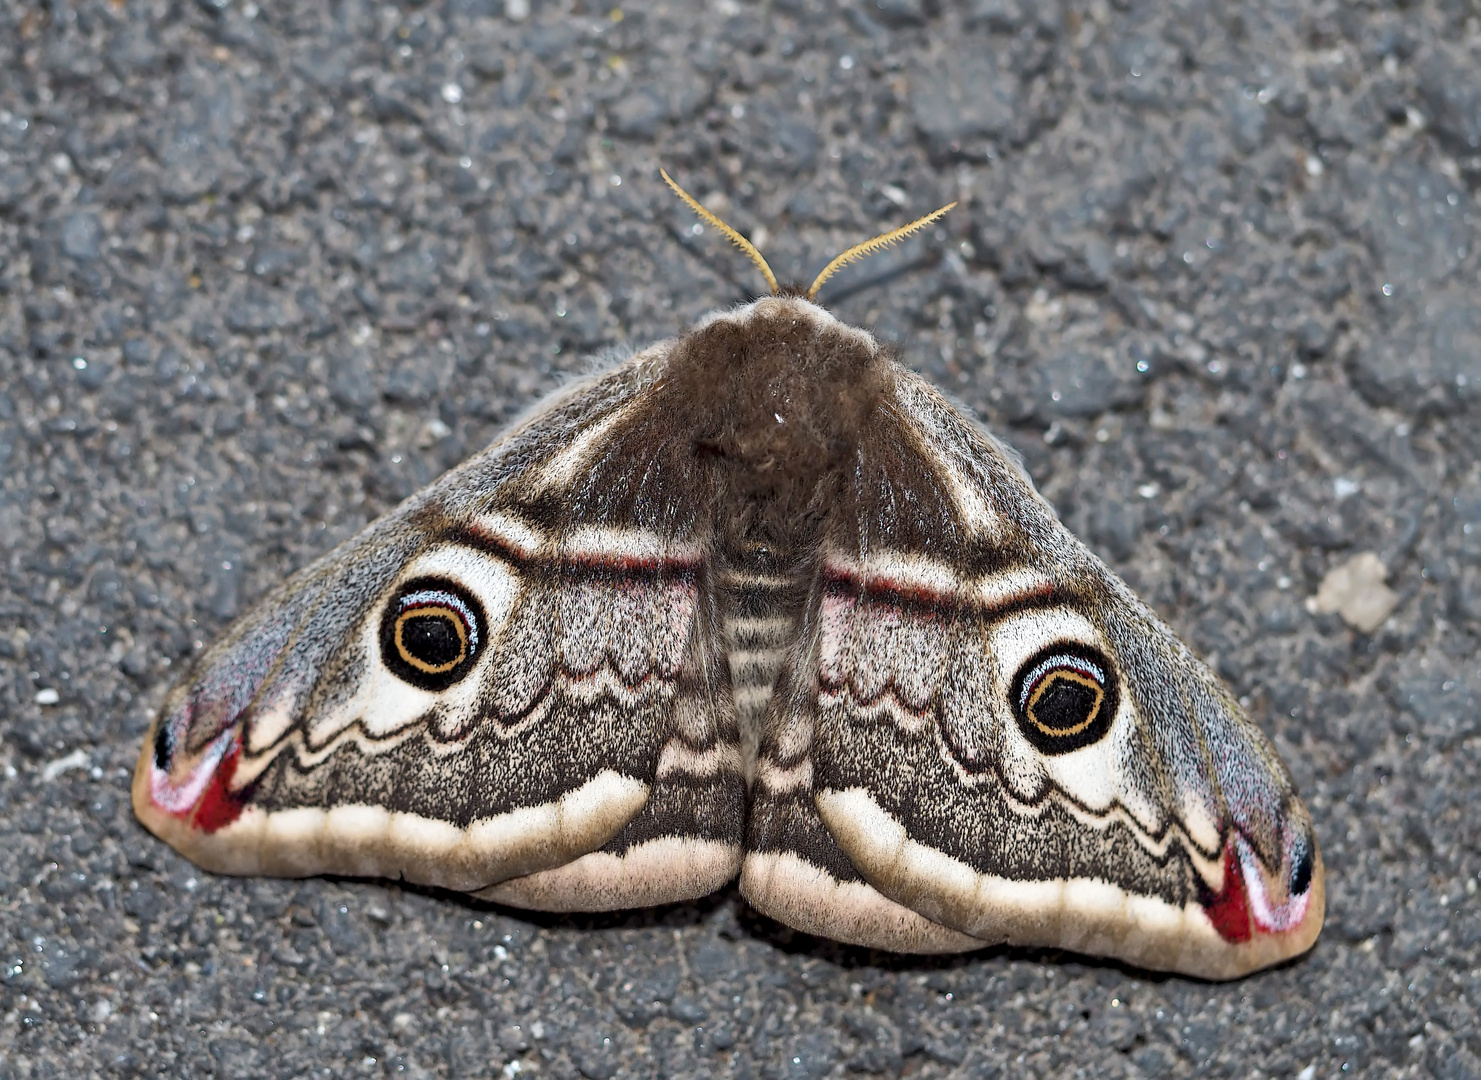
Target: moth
(757, 600)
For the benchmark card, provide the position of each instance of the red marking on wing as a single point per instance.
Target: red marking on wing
(1229, 909)
(610, 561)
(880, 587)
(628, 564)
(510, 549)
(218, 805)
(902, 593)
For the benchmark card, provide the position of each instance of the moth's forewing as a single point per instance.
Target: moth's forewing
(504, 676)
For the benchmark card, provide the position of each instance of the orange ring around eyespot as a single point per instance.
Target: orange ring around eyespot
(1073, 676)
(434, 610)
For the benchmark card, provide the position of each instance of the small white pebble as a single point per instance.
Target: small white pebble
(77, 759)
(1356, 591)
(47, 696)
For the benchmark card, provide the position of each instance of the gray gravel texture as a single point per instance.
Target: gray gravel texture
(266, 268)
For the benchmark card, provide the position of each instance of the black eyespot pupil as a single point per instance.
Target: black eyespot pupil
(432, 639)
(433, 632)
(1065, 697)
(1064, 704)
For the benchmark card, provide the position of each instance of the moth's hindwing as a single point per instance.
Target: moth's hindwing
(511, 678)
(794, 870)
(1003, 740)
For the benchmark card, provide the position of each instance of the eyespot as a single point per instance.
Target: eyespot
(1065, 697)
(431, 633)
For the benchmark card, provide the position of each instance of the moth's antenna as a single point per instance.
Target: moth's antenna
(869, 247)
(734, 237)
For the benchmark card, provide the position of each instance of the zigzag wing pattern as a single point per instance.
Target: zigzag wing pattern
(512, 678)
(1008, 744)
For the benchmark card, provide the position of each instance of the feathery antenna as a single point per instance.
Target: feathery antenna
(869, 247)
(731, 234)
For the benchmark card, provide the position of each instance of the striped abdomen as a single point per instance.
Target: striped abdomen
(761, 613)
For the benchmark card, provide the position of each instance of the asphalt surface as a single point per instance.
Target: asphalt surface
(267, 269)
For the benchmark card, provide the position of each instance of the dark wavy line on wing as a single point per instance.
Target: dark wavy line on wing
(505, 722)
(889, 695)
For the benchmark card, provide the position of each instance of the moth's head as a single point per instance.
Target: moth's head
(853, 254)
